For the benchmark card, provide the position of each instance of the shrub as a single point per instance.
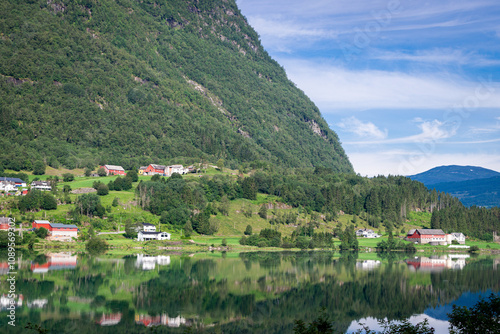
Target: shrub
(101, 172)
(68, 177)
(224, 242)
(96, 245)
(248, 230)
(41, 232)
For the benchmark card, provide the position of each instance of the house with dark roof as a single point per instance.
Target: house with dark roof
(146, 236)
(428, 236)
(17, 182)
(41, 185)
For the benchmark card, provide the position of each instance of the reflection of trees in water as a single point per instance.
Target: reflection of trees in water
(290, 286)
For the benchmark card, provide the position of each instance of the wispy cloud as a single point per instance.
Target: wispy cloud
(430, 131)
(362, 129)
(439, 56)
(335, 88)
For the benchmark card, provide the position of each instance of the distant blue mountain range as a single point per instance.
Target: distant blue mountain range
(471, 184)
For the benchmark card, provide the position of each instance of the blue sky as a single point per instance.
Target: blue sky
(407, 85)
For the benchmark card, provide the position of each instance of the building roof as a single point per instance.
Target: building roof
(152, 233)
(40, 183)
(157, 166)
(430, 231)
(457, 234)
(143, 167)
(4, 220)
(147, 224)
(12, 179)
(113, 167)
(58, 225)
(176, 166)
(410, 232)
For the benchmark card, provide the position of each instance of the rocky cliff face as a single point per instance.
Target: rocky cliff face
(130, 83)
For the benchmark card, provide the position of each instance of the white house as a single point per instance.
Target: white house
(147, 227)
(146, 236)
(7, 186)
(459, 237)
(366, 233)
(179, 169)
(41, 185)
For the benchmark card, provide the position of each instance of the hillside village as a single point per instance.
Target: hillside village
(147, 231)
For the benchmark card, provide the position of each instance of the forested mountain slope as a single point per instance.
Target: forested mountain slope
(133, 82)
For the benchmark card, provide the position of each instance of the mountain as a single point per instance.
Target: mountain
(470, 184)
(127, 82)
(479, 192)
(453, 173)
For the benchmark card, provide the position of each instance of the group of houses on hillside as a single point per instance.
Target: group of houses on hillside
(14, 186)
(152, 169)
(162, 170)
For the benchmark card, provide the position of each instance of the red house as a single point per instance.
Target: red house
(57, 231)
(155, 169)
(114, 170)
(427, 236)
(4, 223)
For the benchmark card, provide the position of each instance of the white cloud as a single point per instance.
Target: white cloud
(410, 163)
(335, 88)
(437, 56)
(362, 129)
(430, 131)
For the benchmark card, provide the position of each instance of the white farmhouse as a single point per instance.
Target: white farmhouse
(146, 236)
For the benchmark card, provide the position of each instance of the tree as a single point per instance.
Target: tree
(101, 172)
(248, 230)
(188, 229)
(263, 211)
(220, 164)
(88, 172)
(49, 202)
(133, 175)
(131, 229)
(481, 318)
(68, 177)
(41, 232)
(96, 245)
(39, 168)
(224, 242)
(102, 189)
(224, 206)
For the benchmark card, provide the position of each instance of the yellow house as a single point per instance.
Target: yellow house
(142, 169)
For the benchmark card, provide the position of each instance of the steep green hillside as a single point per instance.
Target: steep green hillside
(133, 82)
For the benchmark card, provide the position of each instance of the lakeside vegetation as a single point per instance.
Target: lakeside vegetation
(301, 208)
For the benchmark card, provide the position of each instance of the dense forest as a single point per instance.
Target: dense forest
(125, 82)
(380, 202)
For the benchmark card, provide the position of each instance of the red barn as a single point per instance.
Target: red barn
(114, 170)
(155, 169)
(427, 236)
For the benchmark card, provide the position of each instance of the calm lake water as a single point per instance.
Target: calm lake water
(237, 293)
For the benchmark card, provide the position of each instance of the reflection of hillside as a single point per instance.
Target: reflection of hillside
(260, 292)
(55, 261)
(437, 263)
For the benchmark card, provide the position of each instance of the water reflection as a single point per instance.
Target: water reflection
(256, 292)
(438, 262)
